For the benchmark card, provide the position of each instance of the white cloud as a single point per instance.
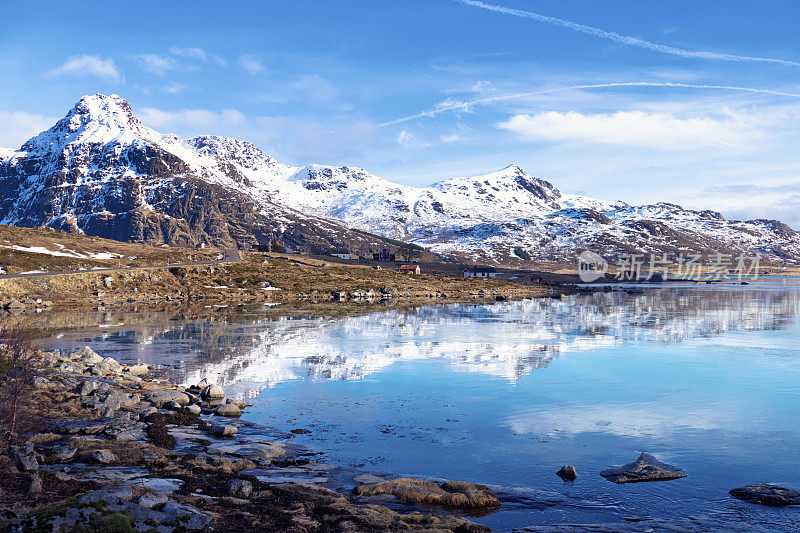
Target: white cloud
(19, 126)
(481, 86)
(189, 53)
(250, 64)
(191, 118)
(155, 63)
(634, 128)
(175, 88)
(86, 65)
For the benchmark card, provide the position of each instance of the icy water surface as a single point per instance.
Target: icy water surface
(704, 377)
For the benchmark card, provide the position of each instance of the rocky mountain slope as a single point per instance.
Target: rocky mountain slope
(102, 172)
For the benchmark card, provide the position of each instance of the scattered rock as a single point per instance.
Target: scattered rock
(61, 454)
(63, 476)
(86, 355)
(153, 499)
(107, 494)
(191, 519)
(212, 392)
(24, 458)
(645, 468)
(138, 370)
(86, 387)
(221, 430)
(35, 486)
(159, 397)
(40, 382)
(100, 456)
(194, 409)
(229, 410)
(238, 403)
(240, 488)
(767, 494)
(452, 494)
(567, 473)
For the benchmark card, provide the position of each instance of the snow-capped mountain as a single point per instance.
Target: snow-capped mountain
(99, 170)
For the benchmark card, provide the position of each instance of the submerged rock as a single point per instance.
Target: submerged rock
(453, 494)
(567, 473)
(766, 494)
(645, 468)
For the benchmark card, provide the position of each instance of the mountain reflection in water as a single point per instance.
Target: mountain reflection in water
(507, 339)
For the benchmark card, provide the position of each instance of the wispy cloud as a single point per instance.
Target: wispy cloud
(189, 53)
(155, 63)
(633, 128)
(191, 118)
(250, 64)
(86, 65)
(468, 105)
(175, 88)
(625, 39)
(197, 54)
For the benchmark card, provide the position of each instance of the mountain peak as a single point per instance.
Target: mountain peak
(95, 119)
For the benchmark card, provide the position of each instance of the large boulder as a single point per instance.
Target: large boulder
(161, 396)
(228, 409)
(645, 468)
(212, 392)
(24, 458)
(138, 370)
(86, 355)
(452, 494)
(766, 494)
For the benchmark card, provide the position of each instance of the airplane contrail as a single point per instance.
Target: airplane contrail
(624, 39)
(492, 99)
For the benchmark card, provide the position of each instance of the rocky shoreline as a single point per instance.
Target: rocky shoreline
(118, 448)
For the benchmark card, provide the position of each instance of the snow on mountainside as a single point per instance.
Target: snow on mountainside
(99, 170)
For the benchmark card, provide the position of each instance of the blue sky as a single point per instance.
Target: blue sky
(334, 83)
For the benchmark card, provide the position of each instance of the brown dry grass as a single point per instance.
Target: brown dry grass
(15, 261)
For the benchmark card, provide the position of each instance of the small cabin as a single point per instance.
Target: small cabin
(342, 253)
(384, 255)
(410, 269)
(480, 272)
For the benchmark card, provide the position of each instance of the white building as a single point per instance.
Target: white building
(480, 272)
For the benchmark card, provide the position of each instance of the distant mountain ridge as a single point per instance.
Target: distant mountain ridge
(99, 170)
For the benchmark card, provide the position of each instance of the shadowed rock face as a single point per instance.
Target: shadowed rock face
(766, 494)
(645, 468)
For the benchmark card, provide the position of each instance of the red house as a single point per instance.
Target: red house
(410, 269)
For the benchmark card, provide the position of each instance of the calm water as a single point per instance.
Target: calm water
(704, 377)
